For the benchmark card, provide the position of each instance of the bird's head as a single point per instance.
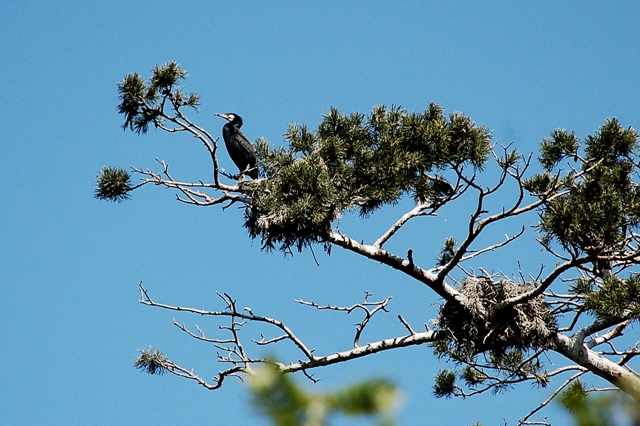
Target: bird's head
(233, 118)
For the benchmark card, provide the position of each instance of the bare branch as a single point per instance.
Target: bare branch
(201, 336)
(612, 334)
(546, 402)
(263, 342)
(423, 209)
(217, 381)
(406, 324)
(550, 279)
(416, 211)
(193, 197)
(599, 325)
(370, 348)
(424, 276)
(237, 356)
(209, 141)
(231, 312)
(575, 350)
(365, 306)
(507, 240)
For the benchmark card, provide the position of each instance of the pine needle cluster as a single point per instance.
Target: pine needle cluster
(113, 184)
(602, 203)
(615, 299)
(142, 102)
(357, 163)
(152, 361)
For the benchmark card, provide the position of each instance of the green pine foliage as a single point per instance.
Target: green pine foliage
(444, 384)
(616, 298)
(113, 184)
(598, 210)
(601, 203)
(473, 376)
(357, 163)
(587, 197)
(142, 102)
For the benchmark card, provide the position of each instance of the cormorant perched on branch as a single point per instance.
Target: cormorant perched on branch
(240, 149)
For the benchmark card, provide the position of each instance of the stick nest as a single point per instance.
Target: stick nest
(524, 326)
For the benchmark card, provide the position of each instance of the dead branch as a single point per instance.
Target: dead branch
(369, 308)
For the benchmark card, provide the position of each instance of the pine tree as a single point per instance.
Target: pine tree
(493, 328)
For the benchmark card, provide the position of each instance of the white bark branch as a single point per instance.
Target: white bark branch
(368, 349)
(424, 276)
(416, 211)
(578, 352)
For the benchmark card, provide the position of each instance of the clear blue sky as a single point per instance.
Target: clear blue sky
(70, 265)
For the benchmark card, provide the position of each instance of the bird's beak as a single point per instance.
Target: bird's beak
(225, 116)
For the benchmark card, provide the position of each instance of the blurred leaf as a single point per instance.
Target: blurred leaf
(603, 410)
(287, 404)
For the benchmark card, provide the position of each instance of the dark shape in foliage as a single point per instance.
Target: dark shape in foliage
(447, 252)
(240, 149)
(113, 184)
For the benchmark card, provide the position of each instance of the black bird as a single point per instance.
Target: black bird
(240, 149)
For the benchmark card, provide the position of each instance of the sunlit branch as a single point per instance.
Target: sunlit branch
(213, 147)
(368, 349)
(575, 350)
(612, 334)
(555, 393)
(369, 308)
(405, 265)
(200, 336)
(263, 342)
(508, 239)
(544, 285)
(237, 355)
(416, 211)
(193, 196)
(407, 325)
(627, 356)
(182, 123)
(231, 312)
(477, 225)
(422, 209)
